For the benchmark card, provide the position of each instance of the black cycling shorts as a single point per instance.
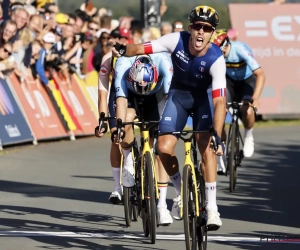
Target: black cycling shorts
(238, 91)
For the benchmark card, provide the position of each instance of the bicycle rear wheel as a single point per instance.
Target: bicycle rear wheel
(232, 155)
(150, 198)
(189, 214)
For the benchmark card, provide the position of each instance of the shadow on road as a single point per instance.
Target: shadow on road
(268, 187)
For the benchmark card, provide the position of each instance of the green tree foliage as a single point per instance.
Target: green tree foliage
(177, 9)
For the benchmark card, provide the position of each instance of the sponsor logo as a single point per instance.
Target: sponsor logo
(201, 69)
(281, 27)
(12, 130)
(203, 63)
(168, 118)
(204, 116)
(182, 56)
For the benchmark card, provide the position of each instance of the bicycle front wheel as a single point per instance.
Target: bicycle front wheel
(128, 207)
(189, 212)
(202, 220)
(150, 197)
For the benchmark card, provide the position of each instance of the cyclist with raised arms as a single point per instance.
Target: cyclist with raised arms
(149, 77)
(199, 86)
(245, 82)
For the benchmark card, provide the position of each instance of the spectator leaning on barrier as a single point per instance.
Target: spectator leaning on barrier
(48, 41)
(5, 56)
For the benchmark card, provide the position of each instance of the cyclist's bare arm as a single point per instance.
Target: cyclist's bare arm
(218, 71)
(259, 84)
(166, 43)
(103, 83)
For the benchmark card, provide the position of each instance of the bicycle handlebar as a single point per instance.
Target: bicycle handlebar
(183, 133)
(140, 124)
(102, 121)
(243, 103)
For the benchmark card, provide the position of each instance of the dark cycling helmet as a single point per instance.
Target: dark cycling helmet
(220, 38)
(205, 14)
(143, 75)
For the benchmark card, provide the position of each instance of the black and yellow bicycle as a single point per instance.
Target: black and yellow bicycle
(145, 192)
(193, 206)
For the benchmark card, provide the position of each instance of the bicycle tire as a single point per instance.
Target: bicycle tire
(202, 228)
(232, 155)
(127, 205)
(135, 192)
(150, 197)
(189, 213)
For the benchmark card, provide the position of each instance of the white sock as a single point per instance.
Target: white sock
(211, 195)
(176, 179)
(128, 162)
(116, 176)
(163, 188)
(248, 132)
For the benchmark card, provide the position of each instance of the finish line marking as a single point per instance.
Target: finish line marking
(109, 235)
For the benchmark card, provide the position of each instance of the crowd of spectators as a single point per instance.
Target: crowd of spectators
(35, 37)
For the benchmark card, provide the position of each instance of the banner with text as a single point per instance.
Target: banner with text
(13, 126)
(38, 109)
(273, 34)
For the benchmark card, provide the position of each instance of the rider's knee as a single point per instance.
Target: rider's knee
(166, 144)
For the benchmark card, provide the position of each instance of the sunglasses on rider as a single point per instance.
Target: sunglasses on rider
(198, 26)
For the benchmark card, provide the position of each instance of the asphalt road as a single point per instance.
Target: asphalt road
(55, 196)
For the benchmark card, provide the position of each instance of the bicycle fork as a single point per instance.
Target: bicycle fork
(188, 161)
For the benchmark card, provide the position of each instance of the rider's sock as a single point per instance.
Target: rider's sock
(248, 132)
(128, 162)
(211, 194)
(162, 201)
(176, 179)
(116, 176)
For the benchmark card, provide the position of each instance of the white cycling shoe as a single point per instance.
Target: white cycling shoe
(164, 217)
(176, 208)
(115, 197)
(127, 177)
(213, 220)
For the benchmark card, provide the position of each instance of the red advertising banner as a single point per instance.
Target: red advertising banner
(273, 33)
(38, 109)
(78, 103)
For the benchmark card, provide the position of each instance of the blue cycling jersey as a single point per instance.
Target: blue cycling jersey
(163, 63)
(240, 62)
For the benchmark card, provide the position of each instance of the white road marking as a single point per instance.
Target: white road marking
(128, 235)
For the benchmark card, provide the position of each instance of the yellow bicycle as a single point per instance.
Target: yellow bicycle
(192, 208)
(145, 191)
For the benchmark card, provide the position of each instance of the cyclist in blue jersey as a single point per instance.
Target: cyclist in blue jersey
(245, 81)
(199, 86)
(147, 76)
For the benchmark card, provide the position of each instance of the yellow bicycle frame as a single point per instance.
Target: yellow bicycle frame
(188, 161)
(146, 148)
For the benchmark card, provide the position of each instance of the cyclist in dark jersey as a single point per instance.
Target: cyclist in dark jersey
(199, 86)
